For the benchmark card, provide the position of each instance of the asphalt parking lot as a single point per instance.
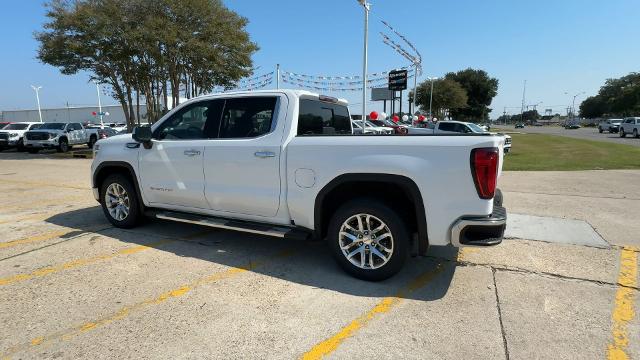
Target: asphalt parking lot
(72, 286)
(588, 133)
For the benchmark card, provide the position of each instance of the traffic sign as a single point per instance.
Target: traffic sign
(398, 80)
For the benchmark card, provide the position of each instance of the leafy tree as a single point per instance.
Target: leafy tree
(148, 47)
(530, 115)
(480, 88)
(594, 107)
(447, 95)
(617, 97)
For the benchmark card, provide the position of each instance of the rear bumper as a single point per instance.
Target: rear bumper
(481, 230)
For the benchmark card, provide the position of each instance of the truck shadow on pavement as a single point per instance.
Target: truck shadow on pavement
(308, 263)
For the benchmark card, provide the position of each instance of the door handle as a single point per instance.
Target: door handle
(264, 154)
(191, 152)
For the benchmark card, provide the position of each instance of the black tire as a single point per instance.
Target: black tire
(395, 224)
(63, 145)
(92, 141)
(20, 146)
(33, 150)
(600, 130)
(622, 133)
(135, 215)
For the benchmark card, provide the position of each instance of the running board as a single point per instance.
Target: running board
(236, 225)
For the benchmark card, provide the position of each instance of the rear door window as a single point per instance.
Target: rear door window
(446, 127)
(323, 118)
(247, 117)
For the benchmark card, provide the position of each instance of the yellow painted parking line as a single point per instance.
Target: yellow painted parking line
(64, 201)
(91, 260)
(623, 311)
(50, 235)
(126, 311)
(329, 345)
(48, 184)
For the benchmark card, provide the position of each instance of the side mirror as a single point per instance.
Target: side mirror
(142, 134)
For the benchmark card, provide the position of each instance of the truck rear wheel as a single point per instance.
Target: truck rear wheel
(119, 201)
(368, 239)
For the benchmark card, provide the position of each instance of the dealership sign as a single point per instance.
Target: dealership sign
(398, 80)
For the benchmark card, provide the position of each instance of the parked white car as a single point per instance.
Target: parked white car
(457, 127)
(630, 126)
(284, 163)
(12, 135)
(59, 136)
(382, 130)
(611, 125)
(357, 128)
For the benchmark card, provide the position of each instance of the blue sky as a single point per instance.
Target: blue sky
(558, 46)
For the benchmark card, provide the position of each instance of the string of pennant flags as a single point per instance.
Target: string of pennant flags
(259, 77)
(262, 82)
(328, 77)
(419, 56)
(302, 84)
(308, 80)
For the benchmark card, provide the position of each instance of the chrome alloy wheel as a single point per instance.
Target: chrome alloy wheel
(366, 241)
(117, 201)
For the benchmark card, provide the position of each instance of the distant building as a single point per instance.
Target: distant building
(82, 114)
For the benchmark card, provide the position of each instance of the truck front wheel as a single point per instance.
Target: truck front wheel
(63, 145)
(368, 239)
(119, 201)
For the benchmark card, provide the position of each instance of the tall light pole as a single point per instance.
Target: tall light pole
(99, 102)
(415, 89)
(573, 105)
(432, 79)
(37, 90)
(366, 7)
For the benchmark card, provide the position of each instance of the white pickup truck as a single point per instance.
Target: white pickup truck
(59, 136)
(12, 135)
(285, 163)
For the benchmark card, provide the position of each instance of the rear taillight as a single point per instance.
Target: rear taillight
(484, 169)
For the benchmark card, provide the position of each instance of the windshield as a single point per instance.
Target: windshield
(52, 126)
(475, 128)
(16, 127)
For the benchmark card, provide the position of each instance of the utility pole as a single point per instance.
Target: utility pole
(366, 7)
(431, 97)
(504, 115)
(277, 76)
(37, 90)
(524, 91)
